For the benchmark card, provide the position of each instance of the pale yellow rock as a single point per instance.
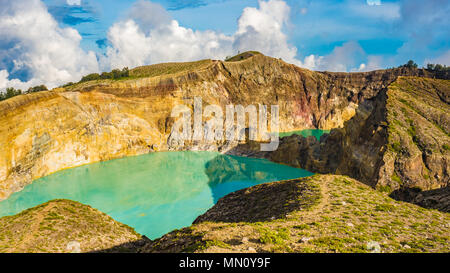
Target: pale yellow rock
(44, 132)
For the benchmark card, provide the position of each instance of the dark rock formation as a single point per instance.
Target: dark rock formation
(263, 202)
(397, 140)
(93, 121)
(435, 199)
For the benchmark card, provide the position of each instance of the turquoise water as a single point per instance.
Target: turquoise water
(306, 133)
(154, 193)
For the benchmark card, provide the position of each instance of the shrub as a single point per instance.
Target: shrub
(10, 92)
(410, 64)
(114, 74)
(37, 89)
(437, 67)
(90, 77)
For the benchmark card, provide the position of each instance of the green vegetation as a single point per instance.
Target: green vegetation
(277, 237)
(115, 75)
(280, 198)
(350, 217)
(51, 226)
(12, 92)
(384, 207)
(143, 72)
(396, 147)
(410, 64)
(167, 68)
(335, 243)
(37, 89)
(395, 178)
(385, 188)
(242, 56)
(430, 67)
(437, 67)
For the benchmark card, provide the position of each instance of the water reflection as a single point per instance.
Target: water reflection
(231, 173)
(153, 193)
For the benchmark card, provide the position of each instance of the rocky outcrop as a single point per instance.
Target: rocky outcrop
(435, 199)
(397, 140)
(321, 213)
(62, 226)
(99, 120)
(263, 202)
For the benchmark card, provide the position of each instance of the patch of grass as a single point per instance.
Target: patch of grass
(332, 242)
(396, 147)
(167, 68)
(302, 226)
(277, 237)
(218, 243)
(384, 207)
(412, 132)
(242, 56)
(385, 188)
(396, 178)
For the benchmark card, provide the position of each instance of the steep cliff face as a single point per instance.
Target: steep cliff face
(99, 120)
(60, 130)
(418, 115)
(397, 140)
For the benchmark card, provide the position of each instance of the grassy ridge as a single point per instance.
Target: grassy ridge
(55, 225)
(350, 217)
(167, 68)
(242, 56)
(322, 213)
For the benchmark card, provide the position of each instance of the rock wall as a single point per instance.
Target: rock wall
(46, 132)
(397, 140)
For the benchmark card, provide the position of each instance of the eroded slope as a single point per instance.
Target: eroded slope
(399, 139)
(101, 120)
(62, 226)
(339, 215)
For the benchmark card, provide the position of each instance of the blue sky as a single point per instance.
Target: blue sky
(345, 35)
(316, 27)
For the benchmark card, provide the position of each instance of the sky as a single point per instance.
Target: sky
(53, 42)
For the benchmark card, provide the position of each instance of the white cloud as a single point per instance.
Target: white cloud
(5, 82)
(373, 2)
(261, 29)
(74, 2)
(50, 54)
(342, 58)
(377, 10)
(442, 59)
(33, 42)
(130, 45)
(373, 63)
(139, 41)
(149, 15)
(424, 27)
